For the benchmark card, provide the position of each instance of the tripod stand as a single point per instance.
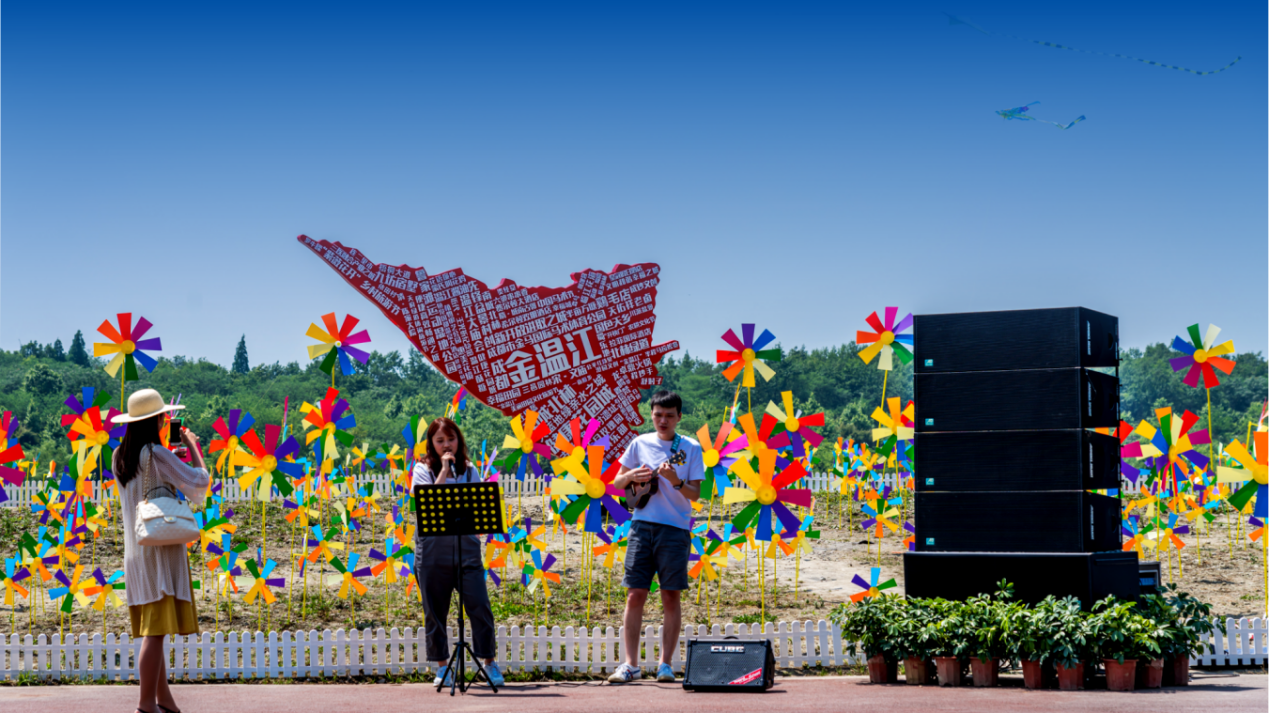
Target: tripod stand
(458, 510)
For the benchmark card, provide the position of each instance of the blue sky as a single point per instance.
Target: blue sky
(794, 165)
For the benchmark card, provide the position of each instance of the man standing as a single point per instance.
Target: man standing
(660, 536)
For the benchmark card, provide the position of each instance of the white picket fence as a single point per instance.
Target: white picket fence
(371, 653)
(365, 652)
(24, 495)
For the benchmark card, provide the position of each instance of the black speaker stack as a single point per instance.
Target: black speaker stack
(1005, 456)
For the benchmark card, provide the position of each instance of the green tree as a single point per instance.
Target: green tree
(241, 366)
(55, 351)
(43, 381)
(78, 354)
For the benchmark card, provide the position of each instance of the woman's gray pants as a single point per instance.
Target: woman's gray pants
(436, 583)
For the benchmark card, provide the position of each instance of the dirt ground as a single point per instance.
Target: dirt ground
(1230, 577)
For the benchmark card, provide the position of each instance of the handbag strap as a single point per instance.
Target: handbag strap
(147, 483)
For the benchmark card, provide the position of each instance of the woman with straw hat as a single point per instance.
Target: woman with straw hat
(159, 593)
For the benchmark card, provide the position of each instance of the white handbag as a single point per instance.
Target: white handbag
(161, 519)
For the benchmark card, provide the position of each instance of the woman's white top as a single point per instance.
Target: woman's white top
(152, 573)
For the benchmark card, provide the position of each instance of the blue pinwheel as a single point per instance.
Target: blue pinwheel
(593, 488)
(873, 587)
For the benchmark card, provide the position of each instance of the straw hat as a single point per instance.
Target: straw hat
(144, 404)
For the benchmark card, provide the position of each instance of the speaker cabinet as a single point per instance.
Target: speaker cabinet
(966, 461)
(959, 575)
(1034, 399)
(729, 665)
(1048, 521)
(1018, 339)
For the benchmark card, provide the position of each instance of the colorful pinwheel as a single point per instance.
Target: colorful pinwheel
(266, 462)
(71, 591)
(524, 448)
(871, 587)
(92, 440)
(231, 434)
(12, 575)
(390, 561)
(350, 576)
(535, 573)
(767, 493)
(896, 427)
(797, 428)
(10, 451)
(748, 355)
(593, 487)
(105, 589)
(1171, 441)
(260, 582)
(337, 344)
(327, 424)
(415, 435)
(1202, 356)
(323, 544)
(1167, 538)
(719, 455)
(581, 440)
(1254, 472)
(886, 339)
(709, 555)
(457, 405)
(127, 346)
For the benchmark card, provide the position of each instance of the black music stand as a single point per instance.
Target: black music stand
(459, 509)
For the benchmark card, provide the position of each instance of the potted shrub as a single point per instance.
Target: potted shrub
(912, 631)
(865, 625)
(1122, 637)
(1032, 642)
(987, 618)
(1191, 635)
(1165, 616)
(949, 640)
(1068, 642)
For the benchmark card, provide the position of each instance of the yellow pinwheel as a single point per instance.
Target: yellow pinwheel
(260, 582)
(895, 426)
(105, 590)
(1254, 472)
(349, 575)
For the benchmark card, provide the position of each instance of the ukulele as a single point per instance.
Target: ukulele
(638, 494)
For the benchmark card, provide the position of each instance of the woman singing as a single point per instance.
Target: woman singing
(435, 557)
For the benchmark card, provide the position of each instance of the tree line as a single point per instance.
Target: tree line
(384, 393)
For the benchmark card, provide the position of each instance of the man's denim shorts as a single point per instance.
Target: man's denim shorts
(660, 549)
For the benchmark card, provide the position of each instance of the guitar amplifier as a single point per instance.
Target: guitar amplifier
(1016, 339)
(1011, 521)
(729, 665)
(1071, 459)
(1022, 400)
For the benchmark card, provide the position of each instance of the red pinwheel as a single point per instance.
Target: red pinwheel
(327, 423)
(748, 355)
(719, 455)
(336, 343)
(581, 439)
(886, 340)
(1254, 471)
(1201, 355)
(10, 451)
(126, 345)
(594, 489)
(767, 493)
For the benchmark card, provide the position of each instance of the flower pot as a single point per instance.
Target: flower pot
(1035, 675)
(1071, 679)
(1120, 676)
(882, 670)
(917, 672)
(949, 668)
(1176, 671)
(1150, 673)
(985, 673)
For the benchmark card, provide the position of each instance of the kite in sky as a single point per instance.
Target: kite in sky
(958, 21)
(1020, 113)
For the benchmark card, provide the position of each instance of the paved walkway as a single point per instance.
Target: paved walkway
(1208, 693)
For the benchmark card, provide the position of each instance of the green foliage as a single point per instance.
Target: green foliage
(1186, 621)
(42, 381)
(78, 354)
(1120, 632)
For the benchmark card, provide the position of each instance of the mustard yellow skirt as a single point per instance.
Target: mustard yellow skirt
(169, 615)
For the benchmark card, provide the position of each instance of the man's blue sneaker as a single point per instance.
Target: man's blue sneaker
(444, 676)
(665, 674)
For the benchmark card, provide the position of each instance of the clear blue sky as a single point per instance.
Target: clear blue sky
(793, 165)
